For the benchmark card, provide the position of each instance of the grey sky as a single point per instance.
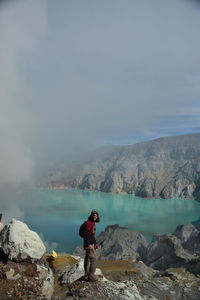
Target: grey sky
(79, 74)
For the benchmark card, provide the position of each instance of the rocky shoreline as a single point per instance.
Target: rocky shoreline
(128, 267)
(165, 168)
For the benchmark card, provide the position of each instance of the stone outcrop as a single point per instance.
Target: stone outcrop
(23, 274)
(104, 290)
(189, 237)
(121, 243)
(171, 284)
(118, 243)
(167, 167)
(178, 250)
(166, 251)
(185, 233)
(19, 243)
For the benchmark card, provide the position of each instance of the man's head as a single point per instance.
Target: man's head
(94, 216)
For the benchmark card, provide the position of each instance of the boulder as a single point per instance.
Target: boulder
(121, 243)
(20, 243)
(189, 237)
(166, 251)
(185, 232)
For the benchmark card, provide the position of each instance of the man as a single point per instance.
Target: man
(90, 245)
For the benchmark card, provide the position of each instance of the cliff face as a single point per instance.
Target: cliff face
(163, 168)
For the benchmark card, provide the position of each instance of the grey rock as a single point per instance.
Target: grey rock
(104, 290)
(121, 243)
(167, 167)
(193, 244)
(189, 237)
(173, 284)
(20, 243)
(185, 232)
(143, 270)
(166, 251)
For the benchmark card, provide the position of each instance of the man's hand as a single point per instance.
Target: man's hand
(91, 247)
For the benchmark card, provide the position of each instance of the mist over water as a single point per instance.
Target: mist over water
(57, 215)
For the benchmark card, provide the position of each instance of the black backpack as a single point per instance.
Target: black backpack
(81, 230)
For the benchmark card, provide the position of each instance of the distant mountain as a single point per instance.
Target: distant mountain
(167, 167)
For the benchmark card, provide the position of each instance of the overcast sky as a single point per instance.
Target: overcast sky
(80, 74)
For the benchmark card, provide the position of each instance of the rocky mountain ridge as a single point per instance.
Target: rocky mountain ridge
(167, 167)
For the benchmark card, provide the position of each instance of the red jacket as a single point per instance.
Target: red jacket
(89, 233)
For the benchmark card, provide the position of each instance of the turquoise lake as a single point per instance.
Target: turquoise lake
(58, 214)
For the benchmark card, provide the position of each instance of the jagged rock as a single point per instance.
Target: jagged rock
(189, 237)
(20, 243)
(74, 272)
(121, 243)
(166, 251)
(172, 284)
(185, 232)
(143, 270)
(104, 290)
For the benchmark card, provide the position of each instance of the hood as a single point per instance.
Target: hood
(93, 212)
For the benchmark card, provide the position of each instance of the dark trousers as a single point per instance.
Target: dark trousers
(90, 262)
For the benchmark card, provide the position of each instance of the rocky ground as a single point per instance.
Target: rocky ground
(166, 269)
(127, 279)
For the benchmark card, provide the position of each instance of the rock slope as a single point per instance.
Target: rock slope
(167, 167)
